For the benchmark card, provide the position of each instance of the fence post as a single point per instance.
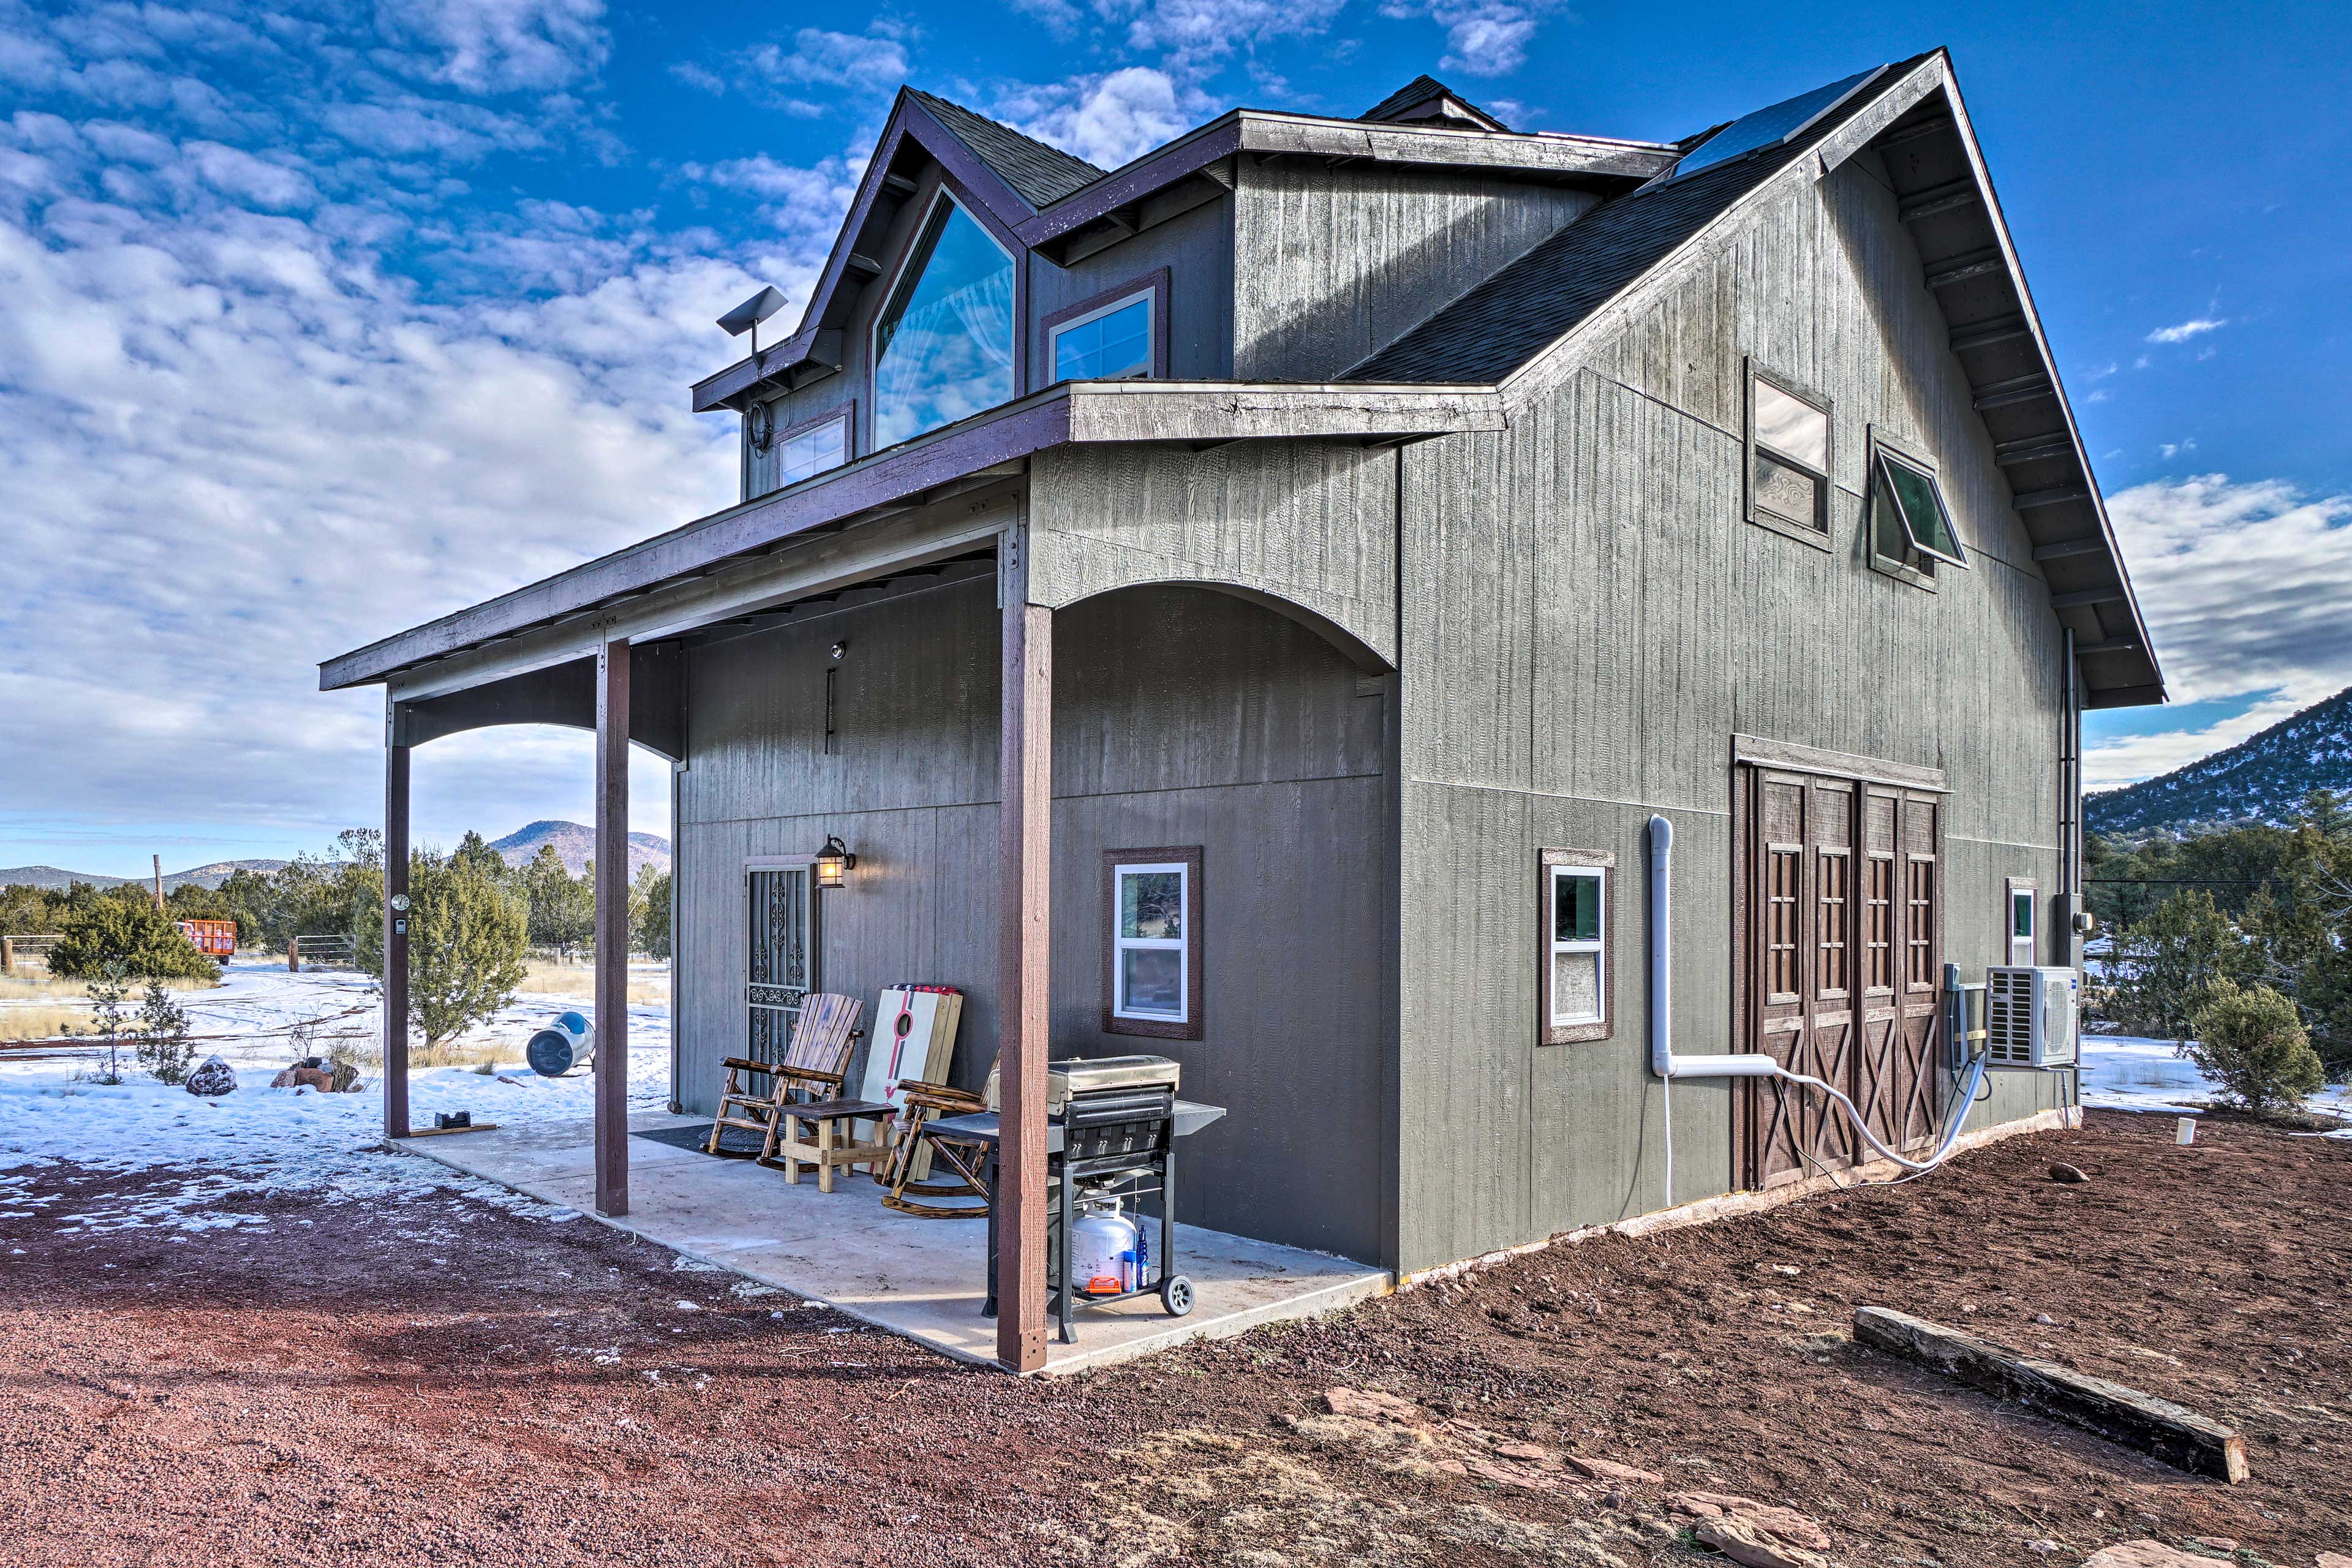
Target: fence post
(7, 954)
(293, 955)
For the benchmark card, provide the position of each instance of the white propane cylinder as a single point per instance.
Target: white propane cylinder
(1103, 1249)
(567, 1043)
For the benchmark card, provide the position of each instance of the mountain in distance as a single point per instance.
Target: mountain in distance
(49, 877)
(577, 845)
(2262, 779)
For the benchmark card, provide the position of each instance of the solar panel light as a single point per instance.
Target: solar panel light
(747, 316)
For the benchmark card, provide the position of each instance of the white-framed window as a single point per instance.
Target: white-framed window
(1111, 342)
(1575, 991)
(1787, 457)
(812, 449)
(1152, 953)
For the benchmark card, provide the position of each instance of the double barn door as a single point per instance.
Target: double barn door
(1840, 963)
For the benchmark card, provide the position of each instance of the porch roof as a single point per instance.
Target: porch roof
(990, 445)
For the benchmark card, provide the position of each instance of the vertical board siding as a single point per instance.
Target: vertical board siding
(1197, 250)
(1181, 715)
(1588, 620)
(1328, 269)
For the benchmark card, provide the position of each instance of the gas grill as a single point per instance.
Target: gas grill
(1111, 1129)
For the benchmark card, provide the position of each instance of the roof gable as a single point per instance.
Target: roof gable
(1039, 174)
(1426, 99)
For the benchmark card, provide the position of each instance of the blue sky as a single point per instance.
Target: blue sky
(325, 318)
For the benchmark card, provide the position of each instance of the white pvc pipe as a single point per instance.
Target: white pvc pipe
(1746, 1064)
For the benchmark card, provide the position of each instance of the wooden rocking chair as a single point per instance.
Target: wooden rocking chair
(804, 1086)
(926, 1103)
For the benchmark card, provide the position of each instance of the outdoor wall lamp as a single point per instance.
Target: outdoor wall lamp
(833, 863)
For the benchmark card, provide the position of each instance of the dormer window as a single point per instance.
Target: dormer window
(1120, 335)
(943, 343)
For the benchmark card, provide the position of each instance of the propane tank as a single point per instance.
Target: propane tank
(1103, 1249)
(567, 1043)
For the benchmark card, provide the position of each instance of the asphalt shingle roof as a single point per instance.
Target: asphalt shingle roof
(1513, 315)
(1420, 88)
(1038, 174)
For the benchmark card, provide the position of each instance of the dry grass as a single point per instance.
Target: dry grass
(32, 982)
(578, 981)
(39, 1021)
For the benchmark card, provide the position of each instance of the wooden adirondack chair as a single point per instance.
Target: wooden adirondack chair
(926, 1103)
(814, 1068)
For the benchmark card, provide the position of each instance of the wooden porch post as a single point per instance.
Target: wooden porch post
(395, 929)
(612, 1058)
(1027, 786)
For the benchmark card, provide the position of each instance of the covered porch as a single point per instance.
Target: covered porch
(1301, 531)
(921, 1278)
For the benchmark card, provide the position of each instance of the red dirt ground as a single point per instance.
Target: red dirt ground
(440, 1380)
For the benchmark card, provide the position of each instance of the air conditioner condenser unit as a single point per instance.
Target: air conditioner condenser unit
(2033, 1017)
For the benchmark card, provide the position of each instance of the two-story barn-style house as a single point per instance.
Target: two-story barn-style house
(1249, 605)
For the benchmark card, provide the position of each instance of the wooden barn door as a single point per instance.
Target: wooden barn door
(1841, 893)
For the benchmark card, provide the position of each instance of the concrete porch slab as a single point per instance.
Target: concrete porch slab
(919, 1277)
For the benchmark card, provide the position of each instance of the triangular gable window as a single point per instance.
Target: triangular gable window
(943, 343)
(1912, 512)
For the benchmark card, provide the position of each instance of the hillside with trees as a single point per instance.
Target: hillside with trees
(2265, 779)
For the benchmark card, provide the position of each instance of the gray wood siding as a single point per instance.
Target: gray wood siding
(1181, 715)
(1309, 521)
(1590, 619)
(1329, 267)
(1197, 248)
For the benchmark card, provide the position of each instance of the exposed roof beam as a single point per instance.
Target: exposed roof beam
(2034, 449)
(1909, 133)
(1950, 196)
(2084, 598)
(2113, 645)
(865, 264)
(1960, 268)
(899, 186)
(1984, 334)
(2026, 501)
(2058, 550)
(2016, 389)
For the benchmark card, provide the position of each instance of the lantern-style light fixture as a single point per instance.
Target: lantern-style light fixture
(834, 862)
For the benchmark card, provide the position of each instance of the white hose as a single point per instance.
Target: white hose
(1744, 1063)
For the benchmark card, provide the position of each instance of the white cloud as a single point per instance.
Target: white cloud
(2186, 329)
(1193, 34)
(502, 45)
(1105, 120)
(2243, 587)
(872, 62)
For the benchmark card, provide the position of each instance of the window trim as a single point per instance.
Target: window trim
(1188, 857)
(1152, 285)
(1910, 452)
(2011, 888)
(846, 412)
(1549, 864)
(1819, 537)
(896, 273)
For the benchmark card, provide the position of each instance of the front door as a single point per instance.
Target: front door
(1840, 967)
(782, 969)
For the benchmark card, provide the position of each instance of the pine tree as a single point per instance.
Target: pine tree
(562, 907)
(162, 1034)
(649, 911)
(467, 937)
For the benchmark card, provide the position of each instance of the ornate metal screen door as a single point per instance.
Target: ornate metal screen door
(781, 970)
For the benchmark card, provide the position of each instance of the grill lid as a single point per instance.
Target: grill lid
(1065, 1078)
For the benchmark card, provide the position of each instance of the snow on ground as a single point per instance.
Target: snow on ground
(2127, 1072)
(260, 1139)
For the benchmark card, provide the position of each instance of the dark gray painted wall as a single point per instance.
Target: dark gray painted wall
(1197, 248)
(1591, 618)
(1181, 715)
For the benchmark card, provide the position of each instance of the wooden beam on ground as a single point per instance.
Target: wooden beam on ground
(611, 1059)
(2177, 1436)
(1026, 765)
(395, 933)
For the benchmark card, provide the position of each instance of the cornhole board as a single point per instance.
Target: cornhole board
(912, 1041)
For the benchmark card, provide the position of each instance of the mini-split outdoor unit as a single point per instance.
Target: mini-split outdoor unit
(2032, 1016)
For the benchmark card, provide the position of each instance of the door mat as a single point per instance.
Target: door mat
(737, 1144)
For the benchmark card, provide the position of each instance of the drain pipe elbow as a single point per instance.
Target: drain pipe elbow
(1663, 1062)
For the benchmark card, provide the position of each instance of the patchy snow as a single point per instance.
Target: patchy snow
(263, 1140)
(2128, 1072)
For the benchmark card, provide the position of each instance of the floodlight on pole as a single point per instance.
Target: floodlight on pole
(747, 316)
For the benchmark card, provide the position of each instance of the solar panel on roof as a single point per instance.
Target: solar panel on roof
(1770, 127)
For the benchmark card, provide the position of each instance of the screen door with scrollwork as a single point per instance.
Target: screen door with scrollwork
(782, 966)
